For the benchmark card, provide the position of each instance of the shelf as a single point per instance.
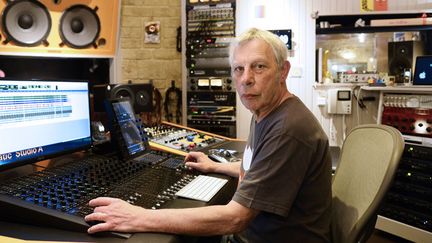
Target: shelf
(400, 89)
(403, 230)
(371, 29)
(337, 85)
(347, 23)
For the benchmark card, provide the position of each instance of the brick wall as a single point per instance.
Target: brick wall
(143, 61)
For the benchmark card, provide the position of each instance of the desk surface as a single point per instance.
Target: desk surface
(23, 232)
(26, 232)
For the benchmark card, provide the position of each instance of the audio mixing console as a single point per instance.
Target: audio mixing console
(181, 140)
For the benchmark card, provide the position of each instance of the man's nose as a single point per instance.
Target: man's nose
(247, 77)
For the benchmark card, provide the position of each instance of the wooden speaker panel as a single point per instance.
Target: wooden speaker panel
(79, 28)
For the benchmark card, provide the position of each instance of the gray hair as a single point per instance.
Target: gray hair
(279, 48)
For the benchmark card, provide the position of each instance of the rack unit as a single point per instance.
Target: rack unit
(210, 95)
(406, 210)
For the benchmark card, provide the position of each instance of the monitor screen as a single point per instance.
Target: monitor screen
(285, 36)
(42, 119)
(131, 135)
(423, 71)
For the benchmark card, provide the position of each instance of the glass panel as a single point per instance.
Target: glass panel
(357, 52)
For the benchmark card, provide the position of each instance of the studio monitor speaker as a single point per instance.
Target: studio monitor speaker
(140, 95)
(402, 56)
(82, 28)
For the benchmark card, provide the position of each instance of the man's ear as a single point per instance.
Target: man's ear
(285, 70)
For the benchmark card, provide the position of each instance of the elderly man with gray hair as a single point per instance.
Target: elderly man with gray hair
(284, 191)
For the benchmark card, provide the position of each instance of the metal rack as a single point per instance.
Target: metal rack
(406, 211)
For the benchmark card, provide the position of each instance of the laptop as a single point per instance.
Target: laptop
(423, 71)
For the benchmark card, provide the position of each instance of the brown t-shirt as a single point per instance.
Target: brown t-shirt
(286, 175)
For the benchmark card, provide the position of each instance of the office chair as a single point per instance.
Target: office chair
(368, 161)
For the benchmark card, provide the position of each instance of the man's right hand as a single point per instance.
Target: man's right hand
(200, 162)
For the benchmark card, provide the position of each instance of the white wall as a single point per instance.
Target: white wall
(283, 14)
(296, 15)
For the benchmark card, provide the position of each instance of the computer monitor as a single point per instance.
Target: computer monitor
(423, 71)
(285, 36)
(126, 130)
(41, 119)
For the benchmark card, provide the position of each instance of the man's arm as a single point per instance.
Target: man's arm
(231, 169)
(200, 162)
(118, 215)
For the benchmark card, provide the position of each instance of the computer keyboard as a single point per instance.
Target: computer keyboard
(202, 188)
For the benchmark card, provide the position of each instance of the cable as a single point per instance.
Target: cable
(343, 127)
(359, 102)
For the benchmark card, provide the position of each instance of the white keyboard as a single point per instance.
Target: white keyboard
(202, 188)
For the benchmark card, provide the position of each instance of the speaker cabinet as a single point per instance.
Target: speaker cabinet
(402, 55)
(81, 28)
(140, 95)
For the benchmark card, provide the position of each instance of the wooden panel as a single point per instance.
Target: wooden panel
(107, 12)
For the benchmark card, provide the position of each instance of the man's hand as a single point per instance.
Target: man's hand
(200, 162)
(114, 215)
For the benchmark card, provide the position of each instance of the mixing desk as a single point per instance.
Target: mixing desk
(59, 196)
(180, 140)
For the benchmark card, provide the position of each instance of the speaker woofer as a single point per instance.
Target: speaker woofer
(26, 22)
(79, 26)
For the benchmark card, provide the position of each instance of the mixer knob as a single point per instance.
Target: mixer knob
(412, 127)
(428, 129)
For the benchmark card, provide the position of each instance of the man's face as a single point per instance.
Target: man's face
(258, 79)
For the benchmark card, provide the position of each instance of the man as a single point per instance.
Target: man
(284, 192)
